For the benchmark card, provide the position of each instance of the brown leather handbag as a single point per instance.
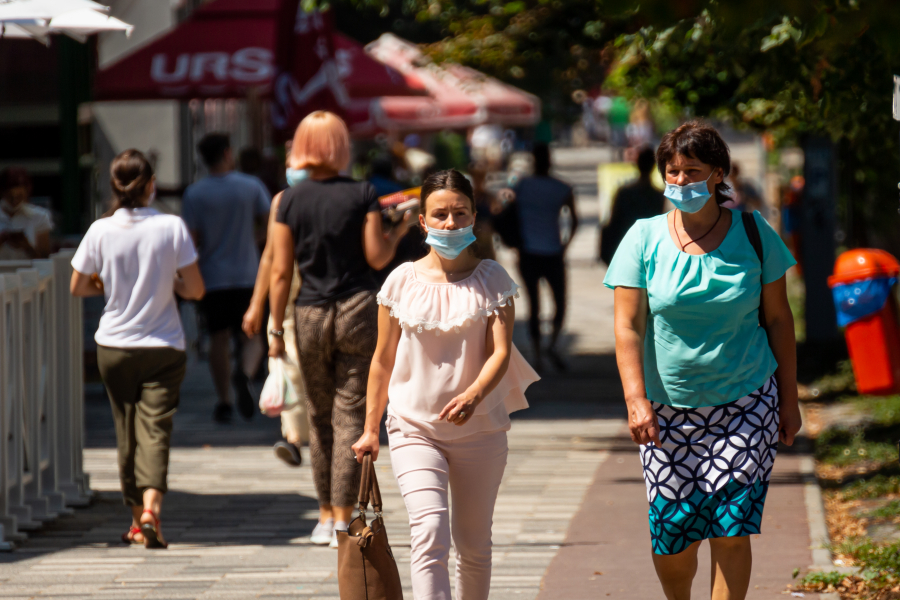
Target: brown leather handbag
(366, 566)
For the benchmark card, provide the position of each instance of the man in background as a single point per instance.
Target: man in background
(222, 211)
(636, 200)
(746, 197)
(539, 200)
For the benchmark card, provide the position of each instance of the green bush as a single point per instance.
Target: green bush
(889, 510)
(877, 562)
(874, 487)
(844, 447)
(821, 578)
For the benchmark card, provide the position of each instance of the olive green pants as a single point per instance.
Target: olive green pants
(143, 386)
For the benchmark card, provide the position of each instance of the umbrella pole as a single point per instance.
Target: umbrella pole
(74, 88)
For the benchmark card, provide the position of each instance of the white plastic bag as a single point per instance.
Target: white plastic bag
(278, 393)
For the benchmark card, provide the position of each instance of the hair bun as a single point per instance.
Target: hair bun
(129, 174)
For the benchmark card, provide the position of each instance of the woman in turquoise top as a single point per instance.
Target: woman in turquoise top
(709, 390)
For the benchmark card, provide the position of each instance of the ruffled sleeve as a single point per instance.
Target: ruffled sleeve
(392, 290)
(447, 306)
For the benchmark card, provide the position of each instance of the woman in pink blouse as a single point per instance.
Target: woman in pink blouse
(446, 361)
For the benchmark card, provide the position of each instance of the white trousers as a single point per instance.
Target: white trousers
(431, 473)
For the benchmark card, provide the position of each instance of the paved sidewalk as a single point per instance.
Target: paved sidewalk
(572, 503)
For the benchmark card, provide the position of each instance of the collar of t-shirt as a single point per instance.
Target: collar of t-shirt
(129, 215)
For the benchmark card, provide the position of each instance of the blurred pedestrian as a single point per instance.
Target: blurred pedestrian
(381, 176)
(484, 211)
(138, 259)
(332, 227)
(745, 196)
(640, 125)
(792, 202)
(706, 352)
(294, 421)
(411, 245)
(24, 227)
(446, 360)
(540, 199)
(222, 212)
(619, 117)
(636, 200)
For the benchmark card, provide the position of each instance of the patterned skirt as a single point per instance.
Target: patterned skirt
(711, 475)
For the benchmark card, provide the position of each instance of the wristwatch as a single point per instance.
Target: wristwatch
(277, 332)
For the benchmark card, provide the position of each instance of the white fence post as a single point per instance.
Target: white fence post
(29, 316)
(14, 418)
(72, 480)
(10, 467)
(41, 396)
(48, 398)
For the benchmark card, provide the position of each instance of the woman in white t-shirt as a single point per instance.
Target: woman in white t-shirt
(138, 258)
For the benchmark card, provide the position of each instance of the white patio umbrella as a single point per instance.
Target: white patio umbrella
(38, 19)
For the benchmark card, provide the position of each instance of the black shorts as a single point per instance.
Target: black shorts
(224, 309)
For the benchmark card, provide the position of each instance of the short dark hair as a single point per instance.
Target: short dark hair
(12, 177)
(250, 160)
(449, 179)
(382, 166)
(646, 160)
(212, 148)
(541, 154)
(699, 140)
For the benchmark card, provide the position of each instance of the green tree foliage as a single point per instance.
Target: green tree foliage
(822, 69)
(790, 67)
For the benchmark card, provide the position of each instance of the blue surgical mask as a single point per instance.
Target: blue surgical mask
(688, 198)
(295, 176)
(449, 243)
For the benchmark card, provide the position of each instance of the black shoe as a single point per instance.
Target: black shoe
(289, 453)
(245, 404)
(222, 414)
(558, 363)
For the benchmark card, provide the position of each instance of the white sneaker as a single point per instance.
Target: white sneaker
(323, 533)
(338, 526)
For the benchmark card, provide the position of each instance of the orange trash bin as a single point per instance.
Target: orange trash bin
(862, 286)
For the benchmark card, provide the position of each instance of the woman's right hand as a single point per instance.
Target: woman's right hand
(276, 347)
(368, 442)
(252, 320)
(643, 422)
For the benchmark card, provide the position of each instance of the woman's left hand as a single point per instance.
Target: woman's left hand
(789, 422)
(368, 442)
(459, 410)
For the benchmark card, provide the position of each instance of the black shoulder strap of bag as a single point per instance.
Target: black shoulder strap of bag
(752, 230)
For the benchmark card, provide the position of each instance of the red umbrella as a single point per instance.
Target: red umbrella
(365, 77)
(459, 97)
(228, 47)
(225, 49)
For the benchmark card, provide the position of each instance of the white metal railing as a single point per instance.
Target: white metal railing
(41, 396)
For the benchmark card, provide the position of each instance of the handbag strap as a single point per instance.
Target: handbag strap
(369, 492)
(752, 230)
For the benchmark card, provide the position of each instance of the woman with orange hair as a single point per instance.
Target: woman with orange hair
(331, 226)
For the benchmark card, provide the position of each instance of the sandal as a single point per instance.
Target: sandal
(152, 537)
(128, 536)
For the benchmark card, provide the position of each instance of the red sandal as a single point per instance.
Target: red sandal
(152, 537)
(128, 536)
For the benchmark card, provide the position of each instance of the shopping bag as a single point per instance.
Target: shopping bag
(278, 393)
